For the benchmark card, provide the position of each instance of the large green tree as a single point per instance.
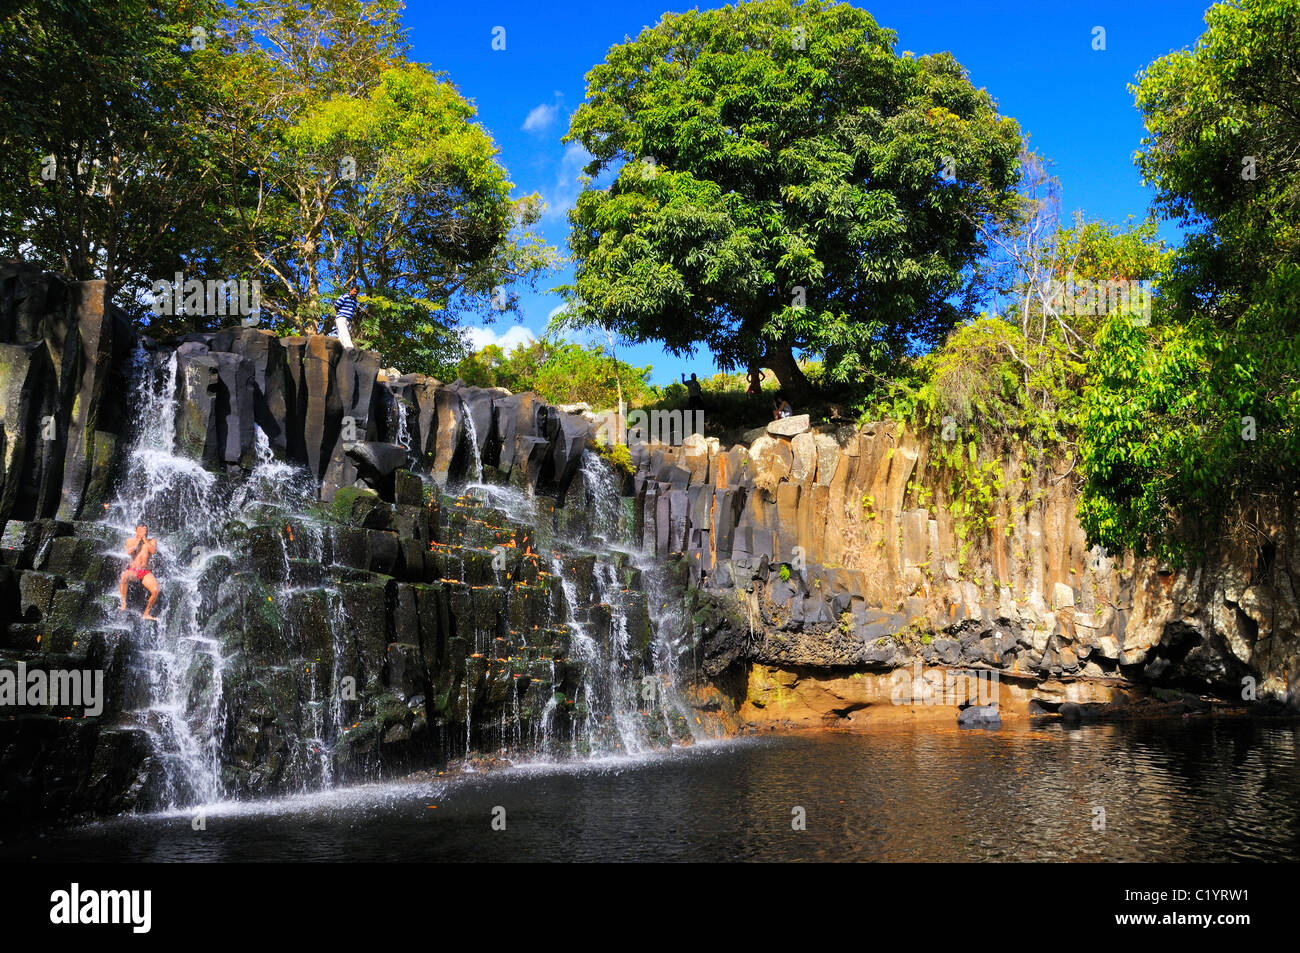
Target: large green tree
(561, 371)
(1198, 414)
(773, 177)
(350, 163)
(102, 171)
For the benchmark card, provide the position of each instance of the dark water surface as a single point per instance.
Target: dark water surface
(1186, 791)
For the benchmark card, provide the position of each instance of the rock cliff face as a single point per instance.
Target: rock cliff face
(60, 353)
(331, 608)
(821, 554)
(334, 606)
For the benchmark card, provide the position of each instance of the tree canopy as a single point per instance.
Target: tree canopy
(1198, 413)
(560, 371)
(102, 172)
(781, 180)
(367, 168)
(266, 140)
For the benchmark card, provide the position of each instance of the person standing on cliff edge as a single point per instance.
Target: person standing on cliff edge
(694, 393)
(344, 310)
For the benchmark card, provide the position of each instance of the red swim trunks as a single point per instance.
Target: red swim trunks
(139, 573)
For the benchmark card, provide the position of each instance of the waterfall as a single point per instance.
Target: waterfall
(403, 425)
(259, 627)
(172, 495)
(471, 431)
(190, 511)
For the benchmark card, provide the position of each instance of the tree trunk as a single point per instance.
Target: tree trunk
(780, 358)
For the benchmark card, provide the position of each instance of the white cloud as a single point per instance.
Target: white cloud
(541, 117)
(517, 334)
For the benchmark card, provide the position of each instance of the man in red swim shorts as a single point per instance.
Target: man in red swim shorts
(140, 548)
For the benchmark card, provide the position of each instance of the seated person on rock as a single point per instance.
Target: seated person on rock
(781, 407)
(140, 548)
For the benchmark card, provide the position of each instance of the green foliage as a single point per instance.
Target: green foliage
(1166, 447)
(772, 146)
(1181, 424)
(366, 168)
(1221, 152)
(992, 387)
(619, 456)
(110, 92)
(785, 572)
(295, 145)
(974, 389)
(410, 336)
(562, 372)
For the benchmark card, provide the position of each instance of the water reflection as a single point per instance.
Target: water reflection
(1190, 791)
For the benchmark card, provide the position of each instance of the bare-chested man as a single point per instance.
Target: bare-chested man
(140, 548)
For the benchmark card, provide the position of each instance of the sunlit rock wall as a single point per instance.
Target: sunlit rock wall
(839, 549)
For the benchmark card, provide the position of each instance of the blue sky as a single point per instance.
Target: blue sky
(1036, 59)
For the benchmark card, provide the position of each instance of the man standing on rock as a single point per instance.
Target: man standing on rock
(140, 548)
(694, 393)
(344, 309)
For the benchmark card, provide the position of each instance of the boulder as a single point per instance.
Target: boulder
(449, 436)
(267, 357)
(234, 416)
(804, 451)
(770, 461)
(95, 329)
(376, 463)
(568, 435)
(322, 419)
(295, 398)
(980, 716)
(789, 426)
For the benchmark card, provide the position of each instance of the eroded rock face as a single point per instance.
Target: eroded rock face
(811, 552)
(64, 360)
(66, 375)
(398, 588)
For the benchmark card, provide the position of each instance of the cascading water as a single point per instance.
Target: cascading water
(241, 684)
(159, 488)
(403, 437)
(471, 433)
(187, 509)
(630, 699)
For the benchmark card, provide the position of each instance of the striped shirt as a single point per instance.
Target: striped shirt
(345, 307)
